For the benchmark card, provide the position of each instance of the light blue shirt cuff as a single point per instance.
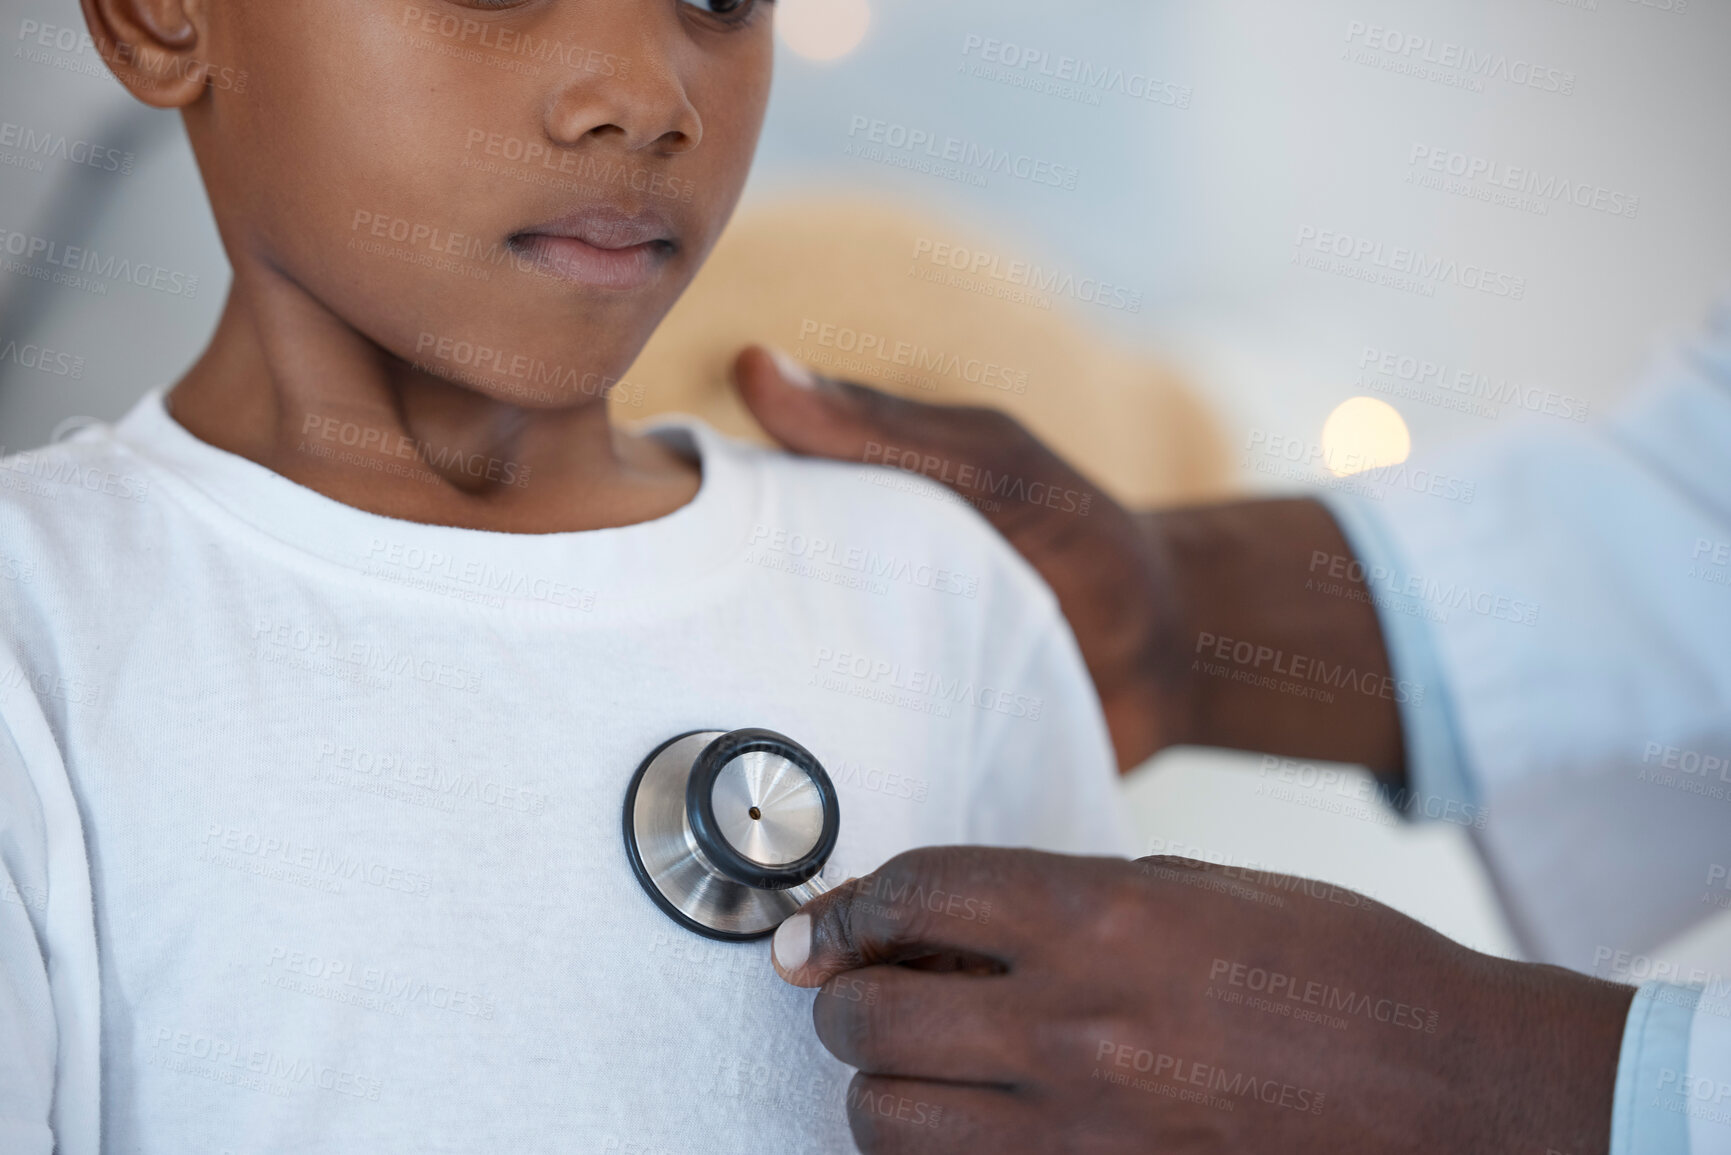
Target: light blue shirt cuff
(1648, 1115)
(1438, 784)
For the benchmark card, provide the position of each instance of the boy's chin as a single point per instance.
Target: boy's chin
(554, 365)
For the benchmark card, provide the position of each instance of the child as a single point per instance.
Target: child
(322, 676)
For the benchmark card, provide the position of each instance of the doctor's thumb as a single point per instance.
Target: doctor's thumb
(812, 946)
(877, 921)
(828, 936)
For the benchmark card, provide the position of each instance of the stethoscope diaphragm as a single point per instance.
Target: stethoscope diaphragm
(728, 831)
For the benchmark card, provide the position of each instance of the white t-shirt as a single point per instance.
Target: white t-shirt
(310, 818)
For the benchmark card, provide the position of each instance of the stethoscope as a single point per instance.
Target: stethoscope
(728, 831)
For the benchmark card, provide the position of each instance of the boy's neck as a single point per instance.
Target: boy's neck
(287, 385)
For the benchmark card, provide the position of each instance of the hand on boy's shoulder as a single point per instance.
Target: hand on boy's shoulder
(1105, 570)
(985, 456)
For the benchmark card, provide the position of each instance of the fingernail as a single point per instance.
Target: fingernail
(792, 371)
(792, 944)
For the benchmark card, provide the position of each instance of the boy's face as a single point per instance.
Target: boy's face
(509, 194)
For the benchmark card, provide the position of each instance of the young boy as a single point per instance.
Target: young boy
(322, 676)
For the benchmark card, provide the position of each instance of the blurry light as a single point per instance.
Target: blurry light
(823, 29)
(1364, 433)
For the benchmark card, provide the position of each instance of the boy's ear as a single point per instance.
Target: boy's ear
(152, 46)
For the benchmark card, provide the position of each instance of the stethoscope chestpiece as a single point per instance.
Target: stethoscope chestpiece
(728, 831)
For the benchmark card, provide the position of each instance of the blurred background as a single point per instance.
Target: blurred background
(1192, 237)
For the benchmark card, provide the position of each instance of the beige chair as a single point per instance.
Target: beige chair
(834, 282)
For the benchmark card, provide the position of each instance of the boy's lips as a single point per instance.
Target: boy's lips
(601, 247)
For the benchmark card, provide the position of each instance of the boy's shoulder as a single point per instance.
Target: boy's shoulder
(77, 527)
(64, 490)
(886, 525)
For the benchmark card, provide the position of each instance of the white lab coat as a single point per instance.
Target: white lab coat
(1563, 593)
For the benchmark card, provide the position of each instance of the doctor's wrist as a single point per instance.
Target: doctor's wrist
(1541, 1073)
(1263, 648)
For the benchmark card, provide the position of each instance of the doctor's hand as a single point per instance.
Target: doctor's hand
(1012, 1001)
(1160, 603)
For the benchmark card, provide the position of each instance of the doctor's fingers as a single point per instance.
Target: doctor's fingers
(913, 1024)
(969, 902)
(825, 417)
(891, 1116)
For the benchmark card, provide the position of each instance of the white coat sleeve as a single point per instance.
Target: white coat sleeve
(1565, 600)
(1673, 1093)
